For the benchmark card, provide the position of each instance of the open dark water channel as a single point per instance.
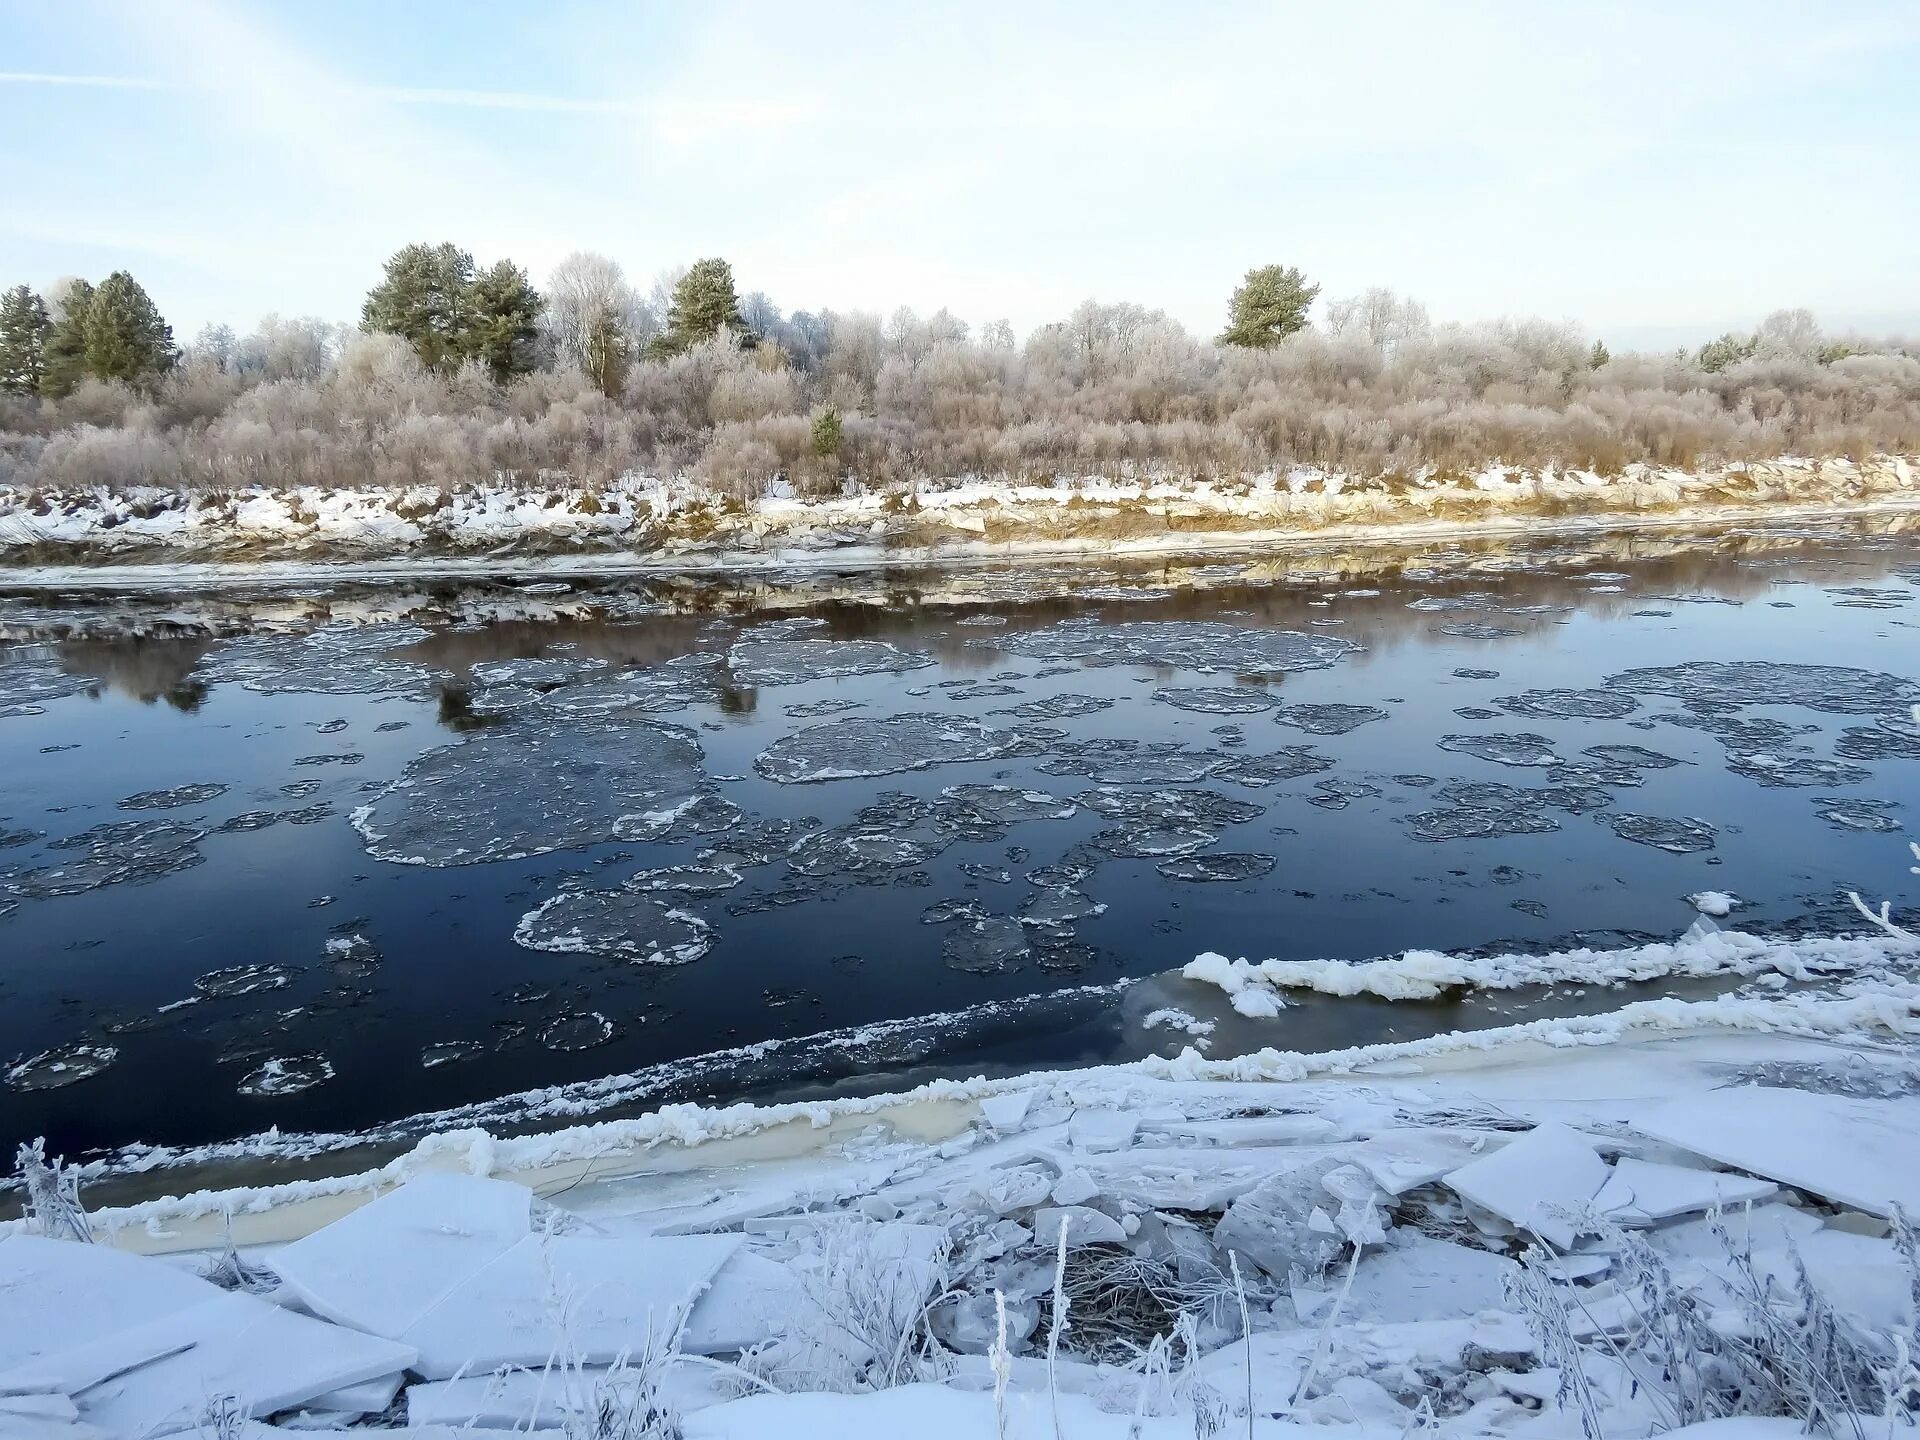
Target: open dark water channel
(1338, 754)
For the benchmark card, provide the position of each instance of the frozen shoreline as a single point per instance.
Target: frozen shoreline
(1463, 1190)
(143, 540)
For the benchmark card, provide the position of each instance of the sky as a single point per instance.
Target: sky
(1657, 172)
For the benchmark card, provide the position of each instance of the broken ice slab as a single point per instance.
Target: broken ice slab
(383, 1266)
(1096, 1131)
(598, 1298)
(1541, 1182)
(1082, 1223)
(266, 1357)
(1852, 1151)
(1414, 1277)
(1006, 1113)
(1641, 1192)
(99, 1290)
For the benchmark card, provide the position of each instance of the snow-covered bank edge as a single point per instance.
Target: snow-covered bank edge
(640, 525)
(1879, 1004)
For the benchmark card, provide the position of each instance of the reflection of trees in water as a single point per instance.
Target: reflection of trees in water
(146, 669)
(648, 640)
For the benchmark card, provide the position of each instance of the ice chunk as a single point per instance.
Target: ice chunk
(56, 1295)
(986, 946)
(511, 792)
(173, 799)
(855, 748)
(1006, 1112)
(1329, 719)
(1716, 903)
(1083, 1224)
(1569, 704)
(1837, 689)
(758, 662)
(1098, 1131)
(1282, 1223)
(125, 852)
(1222, 868)
(1793, 770)
(636, 927)
(60, 1066)
(1463, 822)
(1640, 1192)
(599, 1298)
(1856, 814)
(1681, 837)
(1522, 749)
(337, 660)
(750, 1300)
(1846, 1149)
(383, 1266)
(263, 1356)
(1542, 1182)
(286, 1075)
(1416, 1277)
(1221, 700)
(1057, 707)
(1202, 645)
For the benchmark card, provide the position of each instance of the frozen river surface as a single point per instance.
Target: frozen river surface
(326, 860)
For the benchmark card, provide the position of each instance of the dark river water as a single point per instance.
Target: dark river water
(1090, 775)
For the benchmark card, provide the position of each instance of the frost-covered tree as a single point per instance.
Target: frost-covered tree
(298, 348)
(125, 337)
(1271, 304)
(24, 327)
(704, 304)
(424, 299)
(997, 335)
(1789, 332)
(595, 321)
(213, 347)
(1384, 320)
(503, 321)
(66, 355)
(760, 315)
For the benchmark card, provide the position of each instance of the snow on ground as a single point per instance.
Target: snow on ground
(1684, 1217)
(676, 523)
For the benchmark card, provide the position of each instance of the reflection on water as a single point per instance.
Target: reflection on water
(1113, 780)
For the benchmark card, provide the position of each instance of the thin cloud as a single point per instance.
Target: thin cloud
(97, 82)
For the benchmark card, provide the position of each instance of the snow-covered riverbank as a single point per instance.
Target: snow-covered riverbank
(1507, 1232)
(641, 524)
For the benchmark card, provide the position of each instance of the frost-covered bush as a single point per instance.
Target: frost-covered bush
(1112, 389)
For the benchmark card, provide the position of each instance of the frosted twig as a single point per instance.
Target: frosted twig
(1001, 1365)
(1059, 1323)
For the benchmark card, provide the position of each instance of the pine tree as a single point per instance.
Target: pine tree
(826, 433)
(1269, 306)
(24, 326)
(66, 360)
(704, 303)
(503, 313)
(424, 300)
(1598, 356)
(125, 336)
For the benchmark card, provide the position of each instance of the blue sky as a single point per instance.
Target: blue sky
(1654, 171)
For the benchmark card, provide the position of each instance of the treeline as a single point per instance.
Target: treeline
(459, 374)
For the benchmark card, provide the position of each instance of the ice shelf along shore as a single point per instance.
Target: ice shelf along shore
(1682, 1217)
(677, 523)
